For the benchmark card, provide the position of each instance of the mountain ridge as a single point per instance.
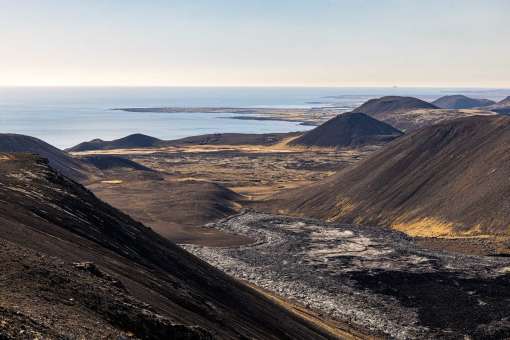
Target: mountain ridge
(461, 102)
(380, 107)
(58, 159)
(49, 217)
(445, 179)
(348, 129)
(136, 140)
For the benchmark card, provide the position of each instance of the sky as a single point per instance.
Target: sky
(463, 43)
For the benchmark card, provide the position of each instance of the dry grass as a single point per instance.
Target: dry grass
(256, 171)
(113, 181)
(426, 227)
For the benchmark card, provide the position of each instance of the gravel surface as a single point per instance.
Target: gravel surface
(372, 278)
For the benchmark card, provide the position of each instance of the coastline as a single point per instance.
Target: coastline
(312, 116)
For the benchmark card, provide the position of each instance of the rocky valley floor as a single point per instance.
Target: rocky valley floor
(189, 186)
(371, 278)
(252, 170)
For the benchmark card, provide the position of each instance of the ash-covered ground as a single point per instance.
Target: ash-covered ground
(374, 279)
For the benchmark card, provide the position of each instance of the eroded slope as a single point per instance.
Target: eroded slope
(447, 179)
(369, 277)
(48, 223)
(350, 129)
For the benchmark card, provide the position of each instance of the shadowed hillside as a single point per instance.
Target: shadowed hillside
(233, 139)
(502, 106)
(384, 106)
(136, 140)
(391, 109)
(173, 208)
(460, 102)
(109, 162)
(450, 178)
(505, 101)
(348, 129)
(142, 141)
(58, 159)
(74, 267)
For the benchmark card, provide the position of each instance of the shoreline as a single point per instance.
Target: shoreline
(312, 116)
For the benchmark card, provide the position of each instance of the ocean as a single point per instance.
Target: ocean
(66, 116)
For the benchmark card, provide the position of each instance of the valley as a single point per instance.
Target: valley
(254, 170)
(193, 185)
(370, 278)
(342, 231)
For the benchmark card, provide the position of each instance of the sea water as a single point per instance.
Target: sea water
(65, 116)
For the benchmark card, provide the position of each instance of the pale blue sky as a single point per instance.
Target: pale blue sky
(312, 43)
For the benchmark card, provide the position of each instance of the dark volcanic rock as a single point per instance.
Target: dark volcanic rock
(381, 107)
(370, 277)
(59, 160)
(445, 179)
(142, 141)
(460, 102)
(505, 101)
(403, 113)
(38, 289)
(348, 129)
(232, 139)
(108, 162)
(48, 222)
(501, 107)
(136, 140)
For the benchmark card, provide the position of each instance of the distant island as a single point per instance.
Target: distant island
(304, 116)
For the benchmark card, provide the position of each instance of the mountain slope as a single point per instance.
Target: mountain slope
(136, 140)
(394, 110)
(58, 159)
(460, 102)
(502, 106)
(72, 266)
(348, 129)
(143, 141)
(109, 162)
(381, 107)
(232, 139)
(173, 208)
(505, 101)
(450, 178)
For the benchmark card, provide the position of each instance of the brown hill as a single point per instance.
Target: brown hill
(143, 141)
(450, 178)
(173, 208)
(232, 139)
(502, 107)
(58, 159)
(110, 162)
(460, 102)
(348, 129)
(381, 107)
(391, 109)
(74, 267)
(136, 140)
(505, 101)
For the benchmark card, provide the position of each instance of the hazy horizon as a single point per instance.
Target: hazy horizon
(467, 87)
(224, 43)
